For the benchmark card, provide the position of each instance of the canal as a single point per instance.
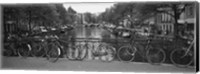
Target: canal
(93, 36)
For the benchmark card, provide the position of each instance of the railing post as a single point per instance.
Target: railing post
(89, 54)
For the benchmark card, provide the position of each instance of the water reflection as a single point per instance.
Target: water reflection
(91, 32)
(94, 36)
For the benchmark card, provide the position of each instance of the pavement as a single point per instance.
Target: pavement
(63, 64)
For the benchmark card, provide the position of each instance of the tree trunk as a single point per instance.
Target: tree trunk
(29, 21)
(175, 21)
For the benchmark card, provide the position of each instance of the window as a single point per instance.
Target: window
(170, 17)
(163, 17)
(164, 27)
(167, 18)
(172, 27)
(159, 18)
(190, 11)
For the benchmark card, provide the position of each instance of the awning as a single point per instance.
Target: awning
(189, 20)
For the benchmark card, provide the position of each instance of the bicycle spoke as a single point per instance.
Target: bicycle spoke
(53, 53)
(156, 56)
(126, 54)
(178, 59)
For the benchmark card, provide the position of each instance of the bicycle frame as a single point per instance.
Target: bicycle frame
(188, 49)
(147, 45)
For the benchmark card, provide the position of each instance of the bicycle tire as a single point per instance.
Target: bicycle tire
(178, 60)
(38, 51)
(155, 56)
(7, 52)
(53, 53)
(109, 52)
(124, 52)
(24, 50)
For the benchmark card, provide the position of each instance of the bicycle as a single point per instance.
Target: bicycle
(49, 47)
(53, 48)
(19, 46)
(82, 48)
(8, 49)
(104, 52)
(24, 49)
(183, 57)
(38, 48)
(9, 46)
(152, 54)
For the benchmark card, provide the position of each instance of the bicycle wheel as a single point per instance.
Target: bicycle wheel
(38, 50)
(107, 53)
(179, 59)
(155, 56)
(7, 52)
(126, 53)
(53, 53)
(24, 50)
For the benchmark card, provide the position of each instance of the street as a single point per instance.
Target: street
(88, 65)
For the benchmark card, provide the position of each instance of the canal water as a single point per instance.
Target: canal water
(94, 36)
(92, 32)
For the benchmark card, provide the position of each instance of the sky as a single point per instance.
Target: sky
(89, 7)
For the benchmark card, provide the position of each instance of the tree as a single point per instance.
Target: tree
(151, 9)
(71, 14)
(41, 15)
(62, 14)
(70, 10)
(89, 17)
(138, 12)
(48, 15)
(117, 13)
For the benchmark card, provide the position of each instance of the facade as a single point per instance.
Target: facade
(188, 17)
(11, 23)
(165, 23)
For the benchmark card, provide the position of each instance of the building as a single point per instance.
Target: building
(11, 22)
(188, 17)
(165, 23)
